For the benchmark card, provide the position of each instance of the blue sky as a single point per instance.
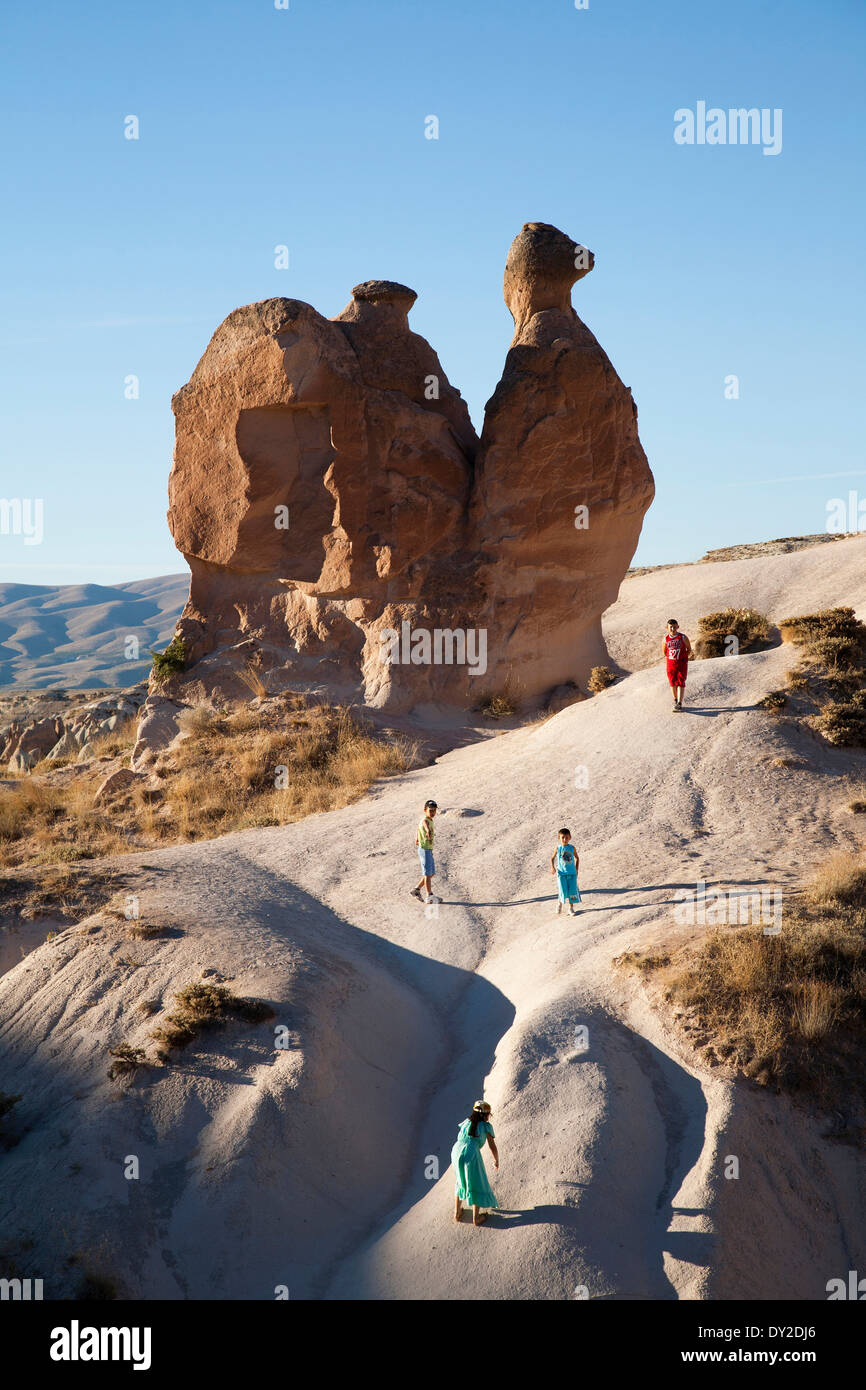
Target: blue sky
(305, 127)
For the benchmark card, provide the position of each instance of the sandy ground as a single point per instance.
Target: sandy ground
(323, 1165)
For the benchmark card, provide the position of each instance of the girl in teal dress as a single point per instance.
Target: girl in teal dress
(472, 1185)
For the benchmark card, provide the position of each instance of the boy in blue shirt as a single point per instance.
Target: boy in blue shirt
(565, 862)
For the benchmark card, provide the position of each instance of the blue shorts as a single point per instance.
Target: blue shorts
(427, 863)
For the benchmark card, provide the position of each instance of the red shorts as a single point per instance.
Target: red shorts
(677, 672)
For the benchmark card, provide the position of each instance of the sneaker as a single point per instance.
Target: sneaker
(676, 706)
(416, 893)
(432, 898)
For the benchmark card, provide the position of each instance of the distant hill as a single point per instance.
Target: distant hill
(752, 550)
(74, 635)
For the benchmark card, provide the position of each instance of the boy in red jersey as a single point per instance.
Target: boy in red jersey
(678, 649)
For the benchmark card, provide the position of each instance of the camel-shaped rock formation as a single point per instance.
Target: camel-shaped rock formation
(350, 536)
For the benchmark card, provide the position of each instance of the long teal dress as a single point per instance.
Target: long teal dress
(472, 1186)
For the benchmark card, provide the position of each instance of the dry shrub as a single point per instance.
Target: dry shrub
(43, 822)
(222, 777)
(195, 721)
(643, 964)
(200, 1008)
(141, 931)
(843, 722)
(252, 679)
(774, 701)
(110, 744)
(502, 703)
(788, 1009)
(127, 1061)
(828, 623)
(600, 677)
(229, 778)
(751, 629)
(840, 882)
(816, 1010)
(832, 672)
(497, 707)
(797, 680)
(25, 803)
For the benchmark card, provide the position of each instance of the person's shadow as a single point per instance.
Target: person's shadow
(712, 711)
(600, 893)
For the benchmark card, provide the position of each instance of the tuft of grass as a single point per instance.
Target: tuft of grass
(816, 1010)
(127, 1061)
(773, 701)
(840, 882)
(497, 707)
(251, 677)
(502, 703)
(146, 932)
(644, 964)
(751, 629)
(199, 1008)
(600, 677)
(196, 721)
(168, 663)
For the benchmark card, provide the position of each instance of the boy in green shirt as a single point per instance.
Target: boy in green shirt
(424, 845)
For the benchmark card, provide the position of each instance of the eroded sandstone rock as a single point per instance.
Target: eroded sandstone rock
(157, 729)
(328, 492)
(562, 482)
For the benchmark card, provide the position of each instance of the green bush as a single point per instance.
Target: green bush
(168, 663)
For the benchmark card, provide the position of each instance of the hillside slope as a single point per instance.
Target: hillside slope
(779, 586)
(74, 635)
(315, 1166)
